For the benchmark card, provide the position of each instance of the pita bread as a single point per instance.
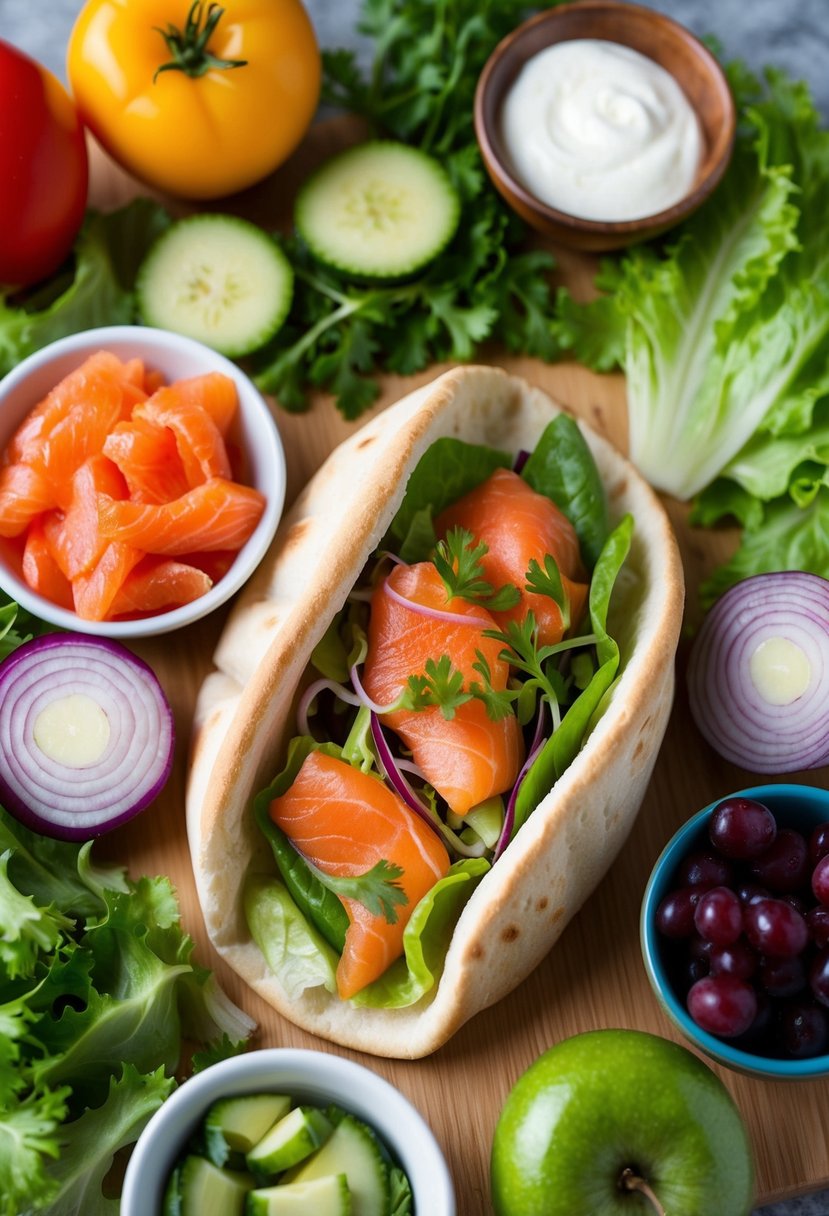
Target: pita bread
(245, 712)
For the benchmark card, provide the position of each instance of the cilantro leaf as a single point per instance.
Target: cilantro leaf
(377, 889)
(497, 702)
(457, 560)
(548, 582)
(440, 684)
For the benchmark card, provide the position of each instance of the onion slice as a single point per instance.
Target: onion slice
(758, 673)
(86, 735)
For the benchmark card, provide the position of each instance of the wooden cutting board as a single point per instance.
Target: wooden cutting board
(594, 976)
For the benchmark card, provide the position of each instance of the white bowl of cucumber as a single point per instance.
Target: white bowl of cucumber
(181, 448)
(284, 1132)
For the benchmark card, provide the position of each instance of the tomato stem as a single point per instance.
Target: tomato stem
(189, 46)
(629, 1180)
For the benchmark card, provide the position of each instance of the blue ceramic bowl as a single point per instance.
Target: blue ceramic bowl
(794, 806)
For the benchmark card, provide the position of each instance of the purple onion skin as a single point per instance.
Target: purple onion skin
(730, 714)
(10, 799)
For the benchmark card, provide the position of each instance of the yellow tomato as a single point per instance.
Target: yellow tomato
(195, 99)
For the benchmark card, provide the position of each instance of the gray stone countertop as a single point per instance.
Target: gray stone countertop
(792, 34)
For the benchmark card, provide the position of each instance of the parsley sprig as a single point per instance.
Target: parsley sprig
(458, 561)
(548, 582)
(419, 89)
(440, 683)
(377, 889)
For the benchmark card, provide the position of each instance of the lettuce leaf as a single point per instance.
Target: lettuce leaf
(98, 997)
(727, 327)
(785, 537)
(96, 291)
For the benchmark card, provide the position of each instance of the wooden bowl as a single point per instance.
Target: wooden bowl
(652, 34)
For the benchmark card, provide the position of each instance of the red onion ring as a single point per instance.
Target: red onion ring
(454, 618)
(731, 712)
(77, 801)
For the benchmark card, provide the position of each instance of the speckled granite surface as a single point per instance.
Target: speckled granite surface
(793, 34)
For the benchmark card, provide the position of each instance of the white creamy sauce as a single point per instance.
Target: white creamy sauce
(599, 131)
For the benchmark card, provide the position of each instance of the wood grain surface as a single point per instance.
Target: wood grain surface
(594, 976)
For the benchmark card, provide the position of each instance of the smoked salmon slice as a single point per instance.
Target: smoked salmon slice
(41, 571)
(149, 460)
(198, 438)
(76, 542)
(24, 494)
(345, 821)
(219, 514)
(518, 525)
(157, 584)
(78, 387)
(95, 591)
(470, 757)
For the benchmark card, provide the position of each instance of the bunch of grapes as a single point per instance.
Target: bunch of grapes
(748, 920)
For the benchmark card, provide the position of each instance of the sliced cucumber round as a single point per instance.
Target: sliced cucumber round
(219, 279)
(379, 210)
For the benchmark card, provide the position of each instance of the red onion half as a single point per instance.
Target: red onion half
(758, 675)
(86, 735)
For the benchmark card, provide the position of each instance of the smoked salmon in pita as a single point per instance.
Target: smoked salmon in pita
(427, 734)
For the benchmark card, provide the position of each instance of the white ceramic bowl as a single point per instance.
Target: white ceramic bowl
(175, 357)
(315, 1077)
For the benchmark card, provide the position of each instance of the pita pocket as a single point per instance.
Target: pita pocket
(246, 711)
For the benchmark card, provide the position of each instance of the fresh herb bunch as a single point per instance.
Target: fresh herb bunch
(428, 55)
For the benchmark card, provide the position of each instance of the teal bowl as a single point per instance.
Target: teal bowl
(801, 807)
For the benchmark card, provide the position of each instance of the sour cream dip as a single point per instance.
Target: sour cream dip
(597, 130)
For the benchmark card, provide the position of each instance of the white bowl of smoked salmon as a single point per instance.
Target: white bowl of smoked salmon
(434, 712)
(142, 478)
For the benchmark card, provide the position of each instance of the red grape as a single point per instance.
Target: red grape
(820, 881)
(722, 1005)
(705, 870)
(737, 959)
(817, 920)
(784, 866)
(718, 916)
(675, 914)
(819, 843)
(782, 977)
(819, 977)
(804, 1029)
(775, 927)
(742, 828)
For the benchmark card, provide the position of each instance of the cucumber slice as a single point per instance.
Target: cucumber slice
(379, 210)
(291, 1140)
(216, 278)
(326, 1196)
(352, 1149)
(235, 1125)
(206, 1190)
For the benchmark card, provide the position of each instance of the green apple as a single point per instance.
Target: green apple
(617, 1122)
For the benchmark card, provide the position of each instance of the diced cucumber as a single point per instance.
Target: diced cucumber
(379, 210)
(291, 1140)
(171, 1204)
(352, 1149)
(206, 1190)
(326, 1196)
(235, 1125)
(216, 278)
